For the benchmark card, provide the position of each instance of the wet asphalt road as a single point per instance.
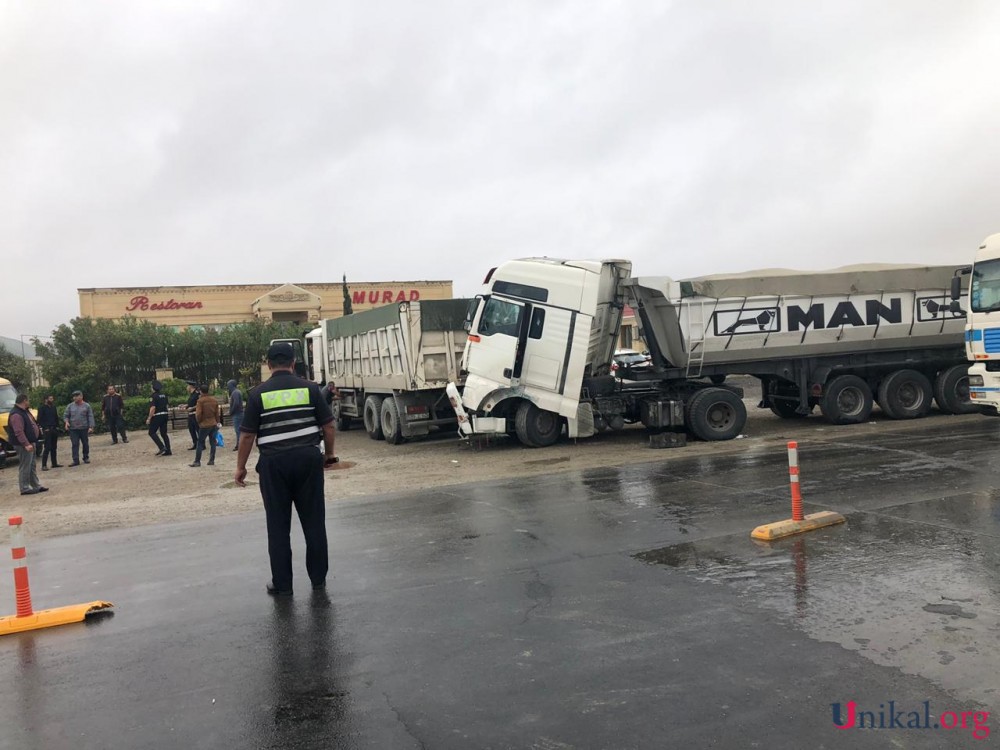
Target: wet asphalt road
(604, 609)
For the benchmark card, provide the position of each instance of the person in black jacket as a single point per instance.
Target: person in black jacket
(193, 395)
(48, 420)
(157, 419)
(113, 407)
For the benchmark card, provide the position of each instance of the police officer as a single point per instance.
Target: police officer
(157, 419)
(288, 417)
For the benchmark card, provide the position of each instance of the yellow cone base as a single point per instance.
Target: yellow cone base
(49, 618)
(771, 531)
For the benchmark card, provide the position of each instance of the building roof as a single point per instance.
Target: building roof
(14, 346)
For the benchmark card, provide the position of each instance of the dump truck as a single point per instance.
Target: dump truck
(543, 332)
(390, 366)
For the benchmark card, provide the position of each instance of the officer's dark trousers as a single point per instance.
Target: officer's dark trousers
(193, 430)
(294, 477)
(158, 424)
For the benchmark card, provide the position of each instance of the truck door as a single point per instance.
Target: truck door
(494, 342)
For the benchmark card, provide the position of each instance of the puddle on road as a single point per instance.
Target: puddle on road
(922, 598)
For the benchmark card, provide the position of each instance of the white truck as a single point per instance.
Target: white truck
(542, 336)
(982, 325)
(390, 365)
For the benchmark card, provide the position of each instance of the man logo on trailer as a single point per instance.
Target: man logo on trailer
(859, 313)
(748, 320)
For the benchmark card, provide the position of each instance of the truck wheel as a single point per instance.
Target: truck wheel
(536, 428)
(373, 417)
(716, 414)
(951, 391)
(785, 408)
(905, 394)
(391, 428)
(847, 399)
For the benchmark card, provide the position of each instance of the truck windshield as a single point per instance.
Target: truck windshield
(985, 290)
(7, 396)
(500, 316)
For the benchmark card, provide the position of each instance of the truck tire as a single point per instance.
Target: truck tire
(536, 428)
(847, 399)
(951, 391)
(392, 430)
(716, 414)
(785, 408)
(373, 417)
(905, 394)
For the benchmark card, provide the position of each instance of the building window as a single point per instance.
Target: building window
(625, 337)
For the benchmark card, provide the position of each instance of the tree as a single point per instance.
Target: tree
(348, 307)
(15, 369)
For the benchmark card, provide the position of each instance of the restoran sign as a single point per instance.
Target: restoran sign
(141, 302)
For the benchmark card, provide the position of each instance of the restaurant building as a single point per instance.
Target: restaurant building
(218, 306)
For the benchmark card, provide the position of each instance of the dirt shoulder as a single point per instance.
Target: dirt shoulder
(126, 485)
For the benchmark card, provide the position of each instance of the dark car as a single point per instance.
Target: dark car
(628, 358)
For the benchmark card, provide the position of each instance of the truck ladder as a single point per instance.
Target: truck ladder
(696, 329)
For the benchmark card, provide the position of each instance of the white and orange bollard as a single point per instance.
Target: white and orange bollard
(798, 523)
(26, 618)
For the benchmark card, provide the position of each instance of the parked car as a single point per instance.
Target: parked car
(629, 358)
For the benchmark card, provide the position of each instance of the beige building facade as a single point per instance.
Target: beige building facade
(218, 306)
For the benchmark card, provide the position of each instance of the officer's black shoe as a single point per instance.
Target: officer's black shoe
(45, 468)
(57, 466)
(319, 586)
(124, 439)
(275, 591)
(193, 448)
(167, 453)
(75, 463)
(43, 489)
(196, 463)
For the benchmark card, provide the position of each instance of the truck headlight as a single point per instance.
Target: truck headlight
(975, 380)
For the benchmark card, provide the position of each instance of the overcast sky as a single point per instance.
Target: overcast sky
(217, 142)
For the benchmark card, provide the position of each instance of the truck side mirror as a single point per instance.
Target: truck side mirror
(956, 289)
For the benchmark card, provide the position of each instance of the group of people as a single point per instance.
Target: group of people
(204, 418)
(286, 416)
(31, 435)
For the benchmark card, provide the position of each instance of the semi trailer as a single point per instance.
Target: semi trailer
(543, 331)
(390, 366)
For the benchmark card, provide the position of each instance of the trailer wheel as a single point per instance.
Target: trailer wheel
(951, 391)
(847, 399)
(786, 408)
(391, 427)
(716, 414)
(536, 428)
(905, 394)
(373, 417)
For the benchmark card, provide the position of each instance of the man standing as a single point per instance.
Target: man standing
(192, 402)
(235, 410)
(113, 407)
(48, 421)
(25, 434)
(79, 419)
(207, 413)
(157, 419)
(288, 416)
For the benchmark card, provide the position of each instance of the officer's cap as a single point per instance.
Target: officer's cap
(280, 352)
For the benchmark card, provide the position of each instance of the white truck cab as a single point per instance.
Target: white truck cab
(541, 326)
(982, 327)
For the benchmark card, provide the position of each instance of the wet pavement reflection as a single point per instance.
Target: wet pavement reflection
(621, 607)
